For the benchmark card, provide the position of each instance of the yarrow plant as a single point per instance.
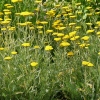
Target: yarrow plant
(49, 50)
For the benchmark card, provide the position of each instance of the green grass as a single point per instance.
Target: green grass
(35, 73)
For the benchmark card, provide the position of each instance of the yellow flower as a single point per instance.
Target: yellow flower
(1, 13)
(38, 22)
(6, 10)
(90, 64)
(7, 5)
(14, 1)
(5, 22)
(51, 13)
(49, 31)
(85, 38)
(57, 6)
(37, 1)
(7, 13)
(26, 13)
(59, 15)
(57, 39)
(3, 29)
(74, 38)
(39, 27)
(78, 4)
(71, 34)
(26, 44)
(62, 28)
(8, 58)
(55, 33)
(89, 14)
(44, 22)
(86, 63)
(72, 16)
(13, 52)
(60, 34)
(36, 10)
(79, 12)
(28, 23)
(64, 44)
(31, 28)
(65, 7)
(40, 32)
(1, 19)
(33, 64)
(90, 31)
(1, 48)
(88, 8)
(88, 0)
(89, 24)
(17, 14)
(97, 13)
(36, 47)
(22, 24)
(48, 48)
(70, 53)
(98, 53)
(98, 33)
(11, 28)
(66, 37)
(72, 24)
(10, 7)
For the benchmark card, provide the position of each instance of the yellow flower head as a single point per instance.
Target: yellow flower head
(36, 47)
(66, 37)
(54, 34)
(31, 28)
(26, 44)
(89, 24)
(13, 52)
(98, 53)
(85, 38)
(1, 13)
(33, 64)
(49, 31)
(48, 48)
(71, 34)
(57, 39)
(14, 1)
(90, 64)
(44, 22)
(39, 27)
(1, 48)
(70, 53)
(98, 33)
(77, 27)
(60, 34)
(78, 4)
(8, 58)
(62, 28)
(90, 31)
(38, 1)
(72, 24)
(86, 63)
(9, 7)
(74, 38)
(5, 22)
(88, 8)
(51, 13)
(26, 13)
(64, 44)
